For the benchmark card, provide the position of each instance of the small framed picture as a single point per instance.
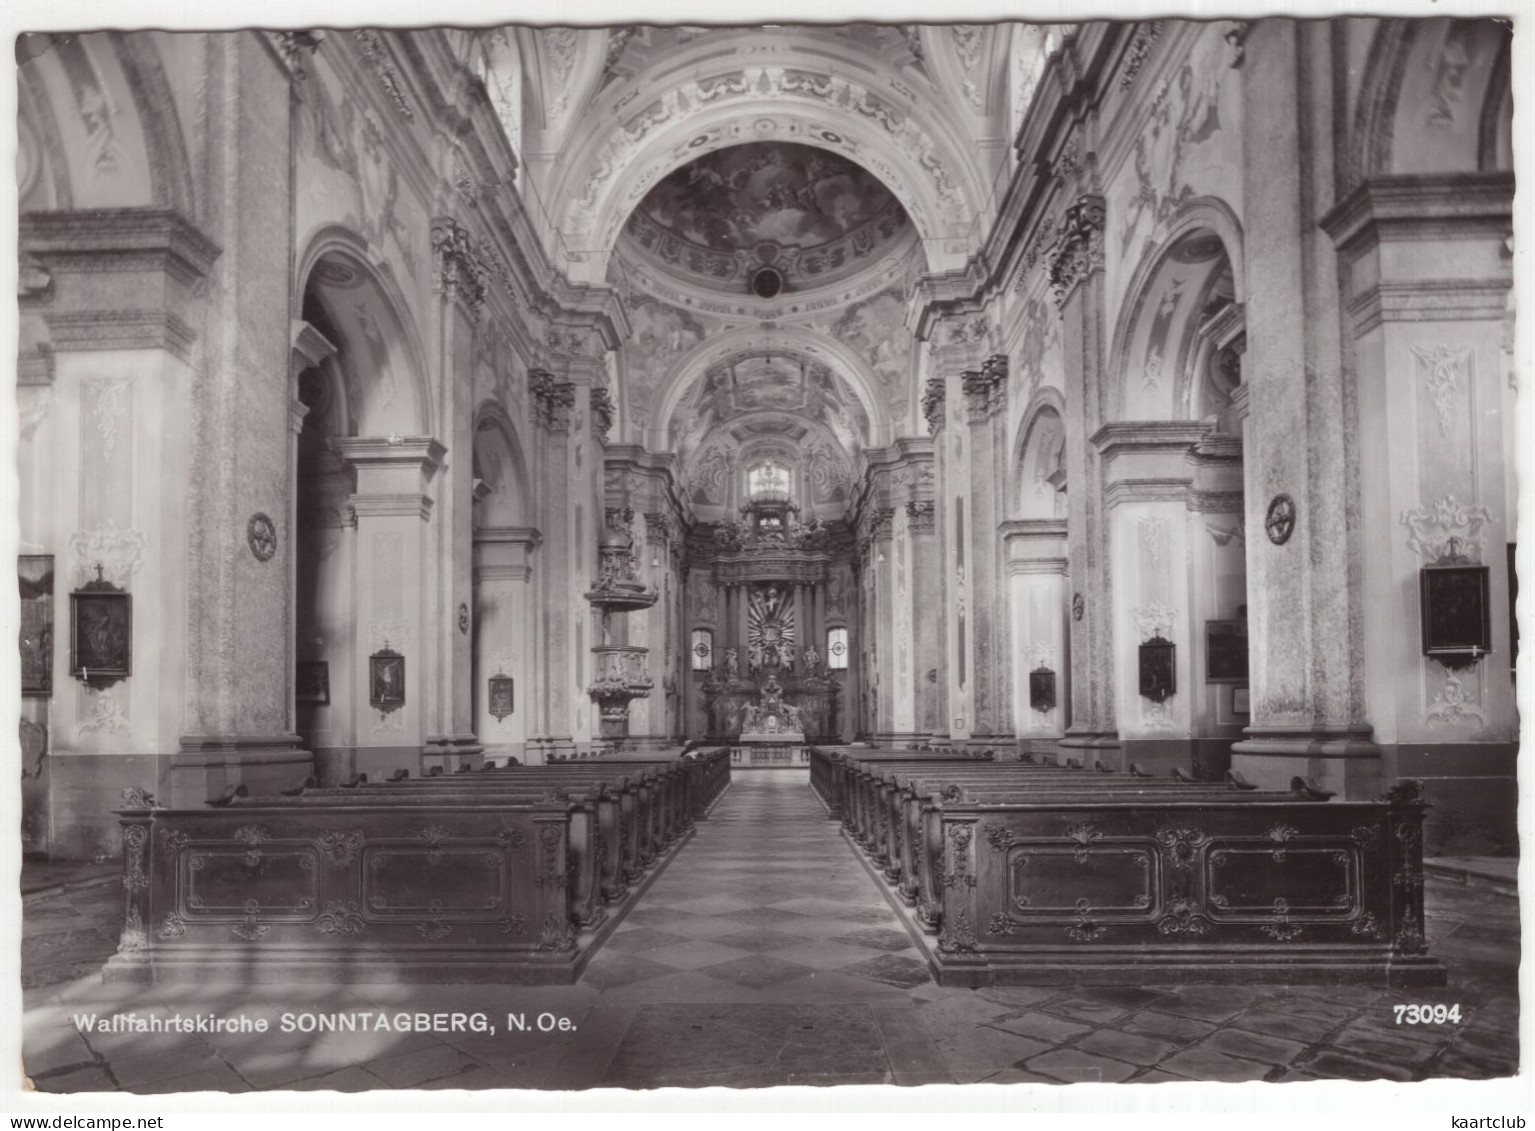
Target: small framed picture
(1456, 613)
(312, 682)
(1158, 673)
(501, 701)
(1241, 701)
(100, 634)
(386, 680)
(1225, 651)
(1042, 689)
(35, 572)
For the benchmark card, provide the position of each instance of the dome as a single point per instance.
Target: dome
(764, 219)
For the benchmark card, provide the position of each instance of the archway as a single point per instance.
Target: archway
(502, 636)
(1036, 578)
(360, 559)
(1174, 499)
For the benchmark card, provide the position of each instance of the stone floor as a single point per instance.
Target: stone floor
(766, 954)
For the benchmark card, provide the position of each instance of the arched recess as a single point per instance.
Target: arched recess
(1434, 99)
(1036, 583)
(794, 340)
(1197, 272)
(357, 297)
(116, 152)
(359, 559)
(504, 558)
(1173, 497)
(1039, 477)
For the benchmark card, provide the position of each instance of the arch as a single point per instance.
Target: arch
(797, 340)
(1047, 402)
(512, 508)
(791, 96)
(170, 167)
(1208, 215)
(335, 241)
(1424, 101)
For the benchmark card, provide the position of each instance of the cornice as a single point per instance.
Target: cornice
(107, 239)
(1148, 435)
(1422, 207)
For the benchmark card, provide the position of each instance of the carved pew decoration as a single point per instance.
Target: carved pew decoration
(1037, 873)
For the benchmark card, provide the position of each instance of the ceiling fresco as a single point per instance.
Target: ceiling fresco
(755, 384)
(795, 196)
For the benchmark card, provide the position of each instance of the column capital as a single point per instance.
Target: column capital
(932, 405)
(553, 400)
(1078, 249)
(985, 389)
(459, 273)
(921, 515)
(602, 409)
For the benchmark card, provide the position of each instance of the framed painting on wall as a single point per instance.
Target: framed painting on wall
(311, 682)
(100, 633)
(35, 573)
(1225, 651)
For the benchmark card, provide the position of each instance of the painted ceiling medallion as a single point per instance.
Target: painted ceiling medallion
(806, 214)
(261, 537)
(1280, 520)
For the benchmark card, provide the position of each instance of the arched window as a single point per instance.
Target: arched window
(768, 481)
(836, 649)
(703, 650)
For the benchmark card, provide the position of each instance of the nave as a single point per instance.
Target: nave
(766, 954)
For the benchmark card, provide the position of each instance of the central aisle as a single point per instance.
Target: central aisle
(764, 954)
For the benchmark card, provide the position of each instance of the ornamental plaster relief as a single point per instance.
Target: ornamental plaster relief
(1430, 529)
(119, 551)
(1454, 706)
(99, 713)
(1188, 144)
(1441, 369)
(899, 131)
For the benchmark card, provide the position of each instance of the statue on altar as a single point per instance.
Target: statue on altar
(732, 664)
(772, 719)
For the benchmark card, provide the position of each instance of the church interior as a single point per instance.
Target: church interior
(822, 554)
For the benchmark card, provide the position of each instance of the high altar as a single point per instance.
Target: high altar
(769, 674)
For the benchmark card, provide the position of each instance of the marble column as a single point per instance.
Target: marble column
(553, 408)
(1301, 453)
(459, 280)
(1076, 274)
(391, 602)
(878, 554)
(941, 646)
(236, 600)
(927, 619)
(985, 404)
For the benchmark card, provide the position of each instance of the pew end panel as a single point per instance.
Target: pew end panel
(412, 894)
(1180, 892)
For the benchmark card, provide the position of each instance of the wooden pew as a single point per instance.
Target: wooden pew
(1056, 875)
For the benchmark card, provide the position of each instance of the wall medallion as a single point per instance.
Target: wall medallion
(463, 618)
(261, 537)
(1078, 606)
(1280, 520)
